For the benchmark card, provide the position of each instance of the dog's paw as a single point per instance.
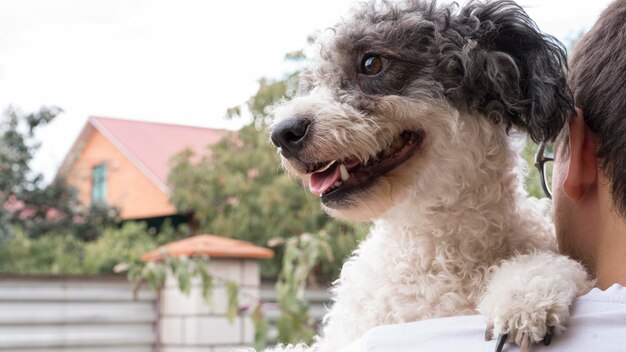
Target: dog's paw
(528, 298)
(523, 328)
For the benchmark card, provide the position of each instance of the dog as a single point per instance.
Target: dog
(412, 117)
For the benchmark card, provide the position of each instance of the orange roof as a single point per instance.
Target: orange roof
(213, 246)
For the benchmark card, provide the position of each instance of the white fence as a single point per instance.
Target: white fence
(99, 314)
(72, 314)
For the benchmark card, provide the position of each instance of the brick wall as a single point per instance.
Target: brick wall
(128, 188)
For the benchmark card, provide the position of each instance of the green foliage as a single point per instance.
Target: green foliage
(232, 294)
(180, 269)
(17, 147)
(302, 253)
(154, 275)
(261, 327)
(115, 246)
(65, 253)
(200, 270)
(184, 269)
(533, 180)
(39, 209)
(54, 254)
(240, 192)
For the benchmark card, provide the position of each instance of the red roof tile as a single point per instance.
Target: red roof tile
(152, 144)
(213, 246)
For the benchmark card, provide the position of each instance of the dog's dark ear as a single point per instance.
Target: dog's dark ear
(510, 71)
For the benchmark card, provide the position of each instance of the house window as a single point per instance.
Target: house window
(99, 184)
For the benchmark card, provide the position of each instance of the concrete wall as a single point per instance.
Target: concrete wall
(95, 314)
(188, 324)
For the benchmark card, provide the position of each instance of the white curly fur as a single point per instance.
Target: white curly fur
(451, 225)
(448, 226)
(543, 284)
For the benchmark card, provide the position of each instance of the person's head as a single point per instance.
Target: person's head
(590, 171)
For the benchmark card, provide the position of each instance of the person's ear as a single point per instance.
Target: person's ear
(582, 171)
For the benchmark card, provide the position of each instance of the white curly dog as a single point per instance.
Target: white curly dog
(412, 117)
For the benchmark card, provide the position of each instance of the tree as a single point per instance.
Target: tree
(238, 190)
(29, 204)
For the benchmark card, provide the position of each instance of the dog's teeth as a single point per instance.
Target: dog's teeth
(325, 167)
(338, 183)
(345, 175)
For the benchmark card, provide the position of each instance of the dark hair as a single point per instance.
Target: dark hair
(513, 71)
(598, 81)
(487, 56)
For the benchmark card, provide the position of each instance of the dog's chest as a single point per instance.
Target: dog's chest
(412, 278)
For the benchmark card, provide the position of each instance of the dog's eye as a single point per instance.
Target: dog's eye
(372, 65)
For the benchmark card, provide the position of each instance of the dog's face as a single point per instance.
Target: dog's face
(403, 97)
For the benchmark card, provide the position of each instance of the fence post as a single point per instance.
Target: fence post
(187, 323)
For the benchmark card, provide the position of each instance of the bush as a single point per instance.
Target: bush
(123, 245)
(55, 253)
(52, 254)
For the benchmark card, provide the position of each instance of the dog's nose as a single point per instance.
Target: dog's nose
(290, 134)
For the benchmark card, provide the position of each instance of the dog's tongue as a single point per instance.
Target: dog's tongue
(321, 181)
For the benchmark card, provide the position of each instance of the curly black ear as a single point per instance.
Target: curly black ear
(510, 71)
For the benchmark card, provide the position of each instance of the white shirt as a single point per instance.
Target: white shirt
(598, 323)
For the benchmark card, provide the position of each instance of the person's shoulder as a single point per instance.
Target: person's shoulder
(614, 294)
(439, 334)
(597, 303)
(597, 323)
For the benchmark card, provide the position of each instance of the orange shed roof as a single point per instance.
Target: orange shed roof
(213, 246)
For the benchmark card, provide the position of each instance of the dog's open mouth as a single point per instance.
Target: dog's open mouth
(335, 179)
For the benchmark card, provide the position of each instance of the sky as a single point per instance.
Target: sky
(173, 61)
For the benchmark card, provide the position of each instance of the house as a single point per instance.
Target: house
(125, 163)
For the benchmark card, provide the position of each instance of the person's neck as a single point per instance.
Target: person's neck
(609, 264)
